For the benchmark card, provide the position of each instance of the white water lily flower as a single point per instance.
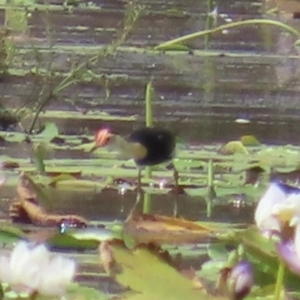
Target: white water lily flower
(57, 276)
(21, 271)
(277, 207)
(31, 269)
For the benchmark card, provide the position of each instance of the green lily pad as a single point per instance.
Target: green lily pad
(141, 270)
(10, 234)
(49, 133)
(173, 47)
(234, 147)
(250, 140)
(96, 234)
(68, 242)
(14, 137)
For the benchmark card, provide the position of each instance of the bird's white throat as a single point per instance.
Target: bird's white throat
(127, 149)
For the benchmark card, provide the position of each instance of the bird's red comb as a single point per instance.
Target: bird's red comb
(102, 137)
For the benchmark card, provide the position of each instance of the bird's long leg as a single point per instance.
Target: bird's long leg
(176, 188)
(139, 183)
(138, 194)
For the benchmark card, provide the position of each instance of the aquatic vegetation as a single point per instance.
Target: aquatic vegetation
(138, 233)
(182, 259)
(183, 39)
(28, 209)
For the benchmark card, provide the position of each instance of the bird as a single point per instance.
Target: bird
(147, 146)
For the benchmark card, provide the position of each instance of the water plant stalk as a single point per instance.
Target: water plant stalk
(210, 173)
(147, 203)
(149, 123)
(185, 38)
(210, 187)
(39, 160)
(209, 22)
(148, 100)
(279, 280)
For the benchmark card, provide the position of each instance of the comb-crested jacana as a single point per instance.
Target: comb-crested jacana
(147, 146)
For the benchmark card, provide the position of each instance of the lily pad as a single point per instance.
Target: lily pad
(49, 133)
(151, 277)
(234, 147)
(66, 241)
(96, 234)
(165, 230)
(250, 140)
(10, 234)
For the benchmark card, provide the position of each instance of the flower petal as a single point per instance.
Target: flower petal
(297, 241)
(57, 276)
(5, 270)
(240, 280)
(19, 255)
(242, 275)
(263, 214)
(288, 253)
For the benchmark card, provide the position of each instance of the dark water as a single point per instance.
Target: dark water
(248, 72)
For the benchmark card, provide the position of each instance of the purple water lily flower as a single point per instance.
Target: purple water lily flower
(277, 208)
(240, 280)
(290, 252)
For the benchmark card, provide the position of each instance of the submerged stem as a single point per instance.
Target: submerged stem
(148, 100)
(227, 26)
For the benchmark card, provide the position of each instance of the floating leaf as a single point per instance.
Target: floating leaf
(68, 242)
(60, 177)
(49, 133)
(249, 140)
(217, 251)
(233, 147)
(96, 234)
(210, 270)
(15, 137)
(151, 277)
(27, 209)
(10, 234)
(173, 47)
(159, 230)
(197, 191)
(78, 184)
(85, 147)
